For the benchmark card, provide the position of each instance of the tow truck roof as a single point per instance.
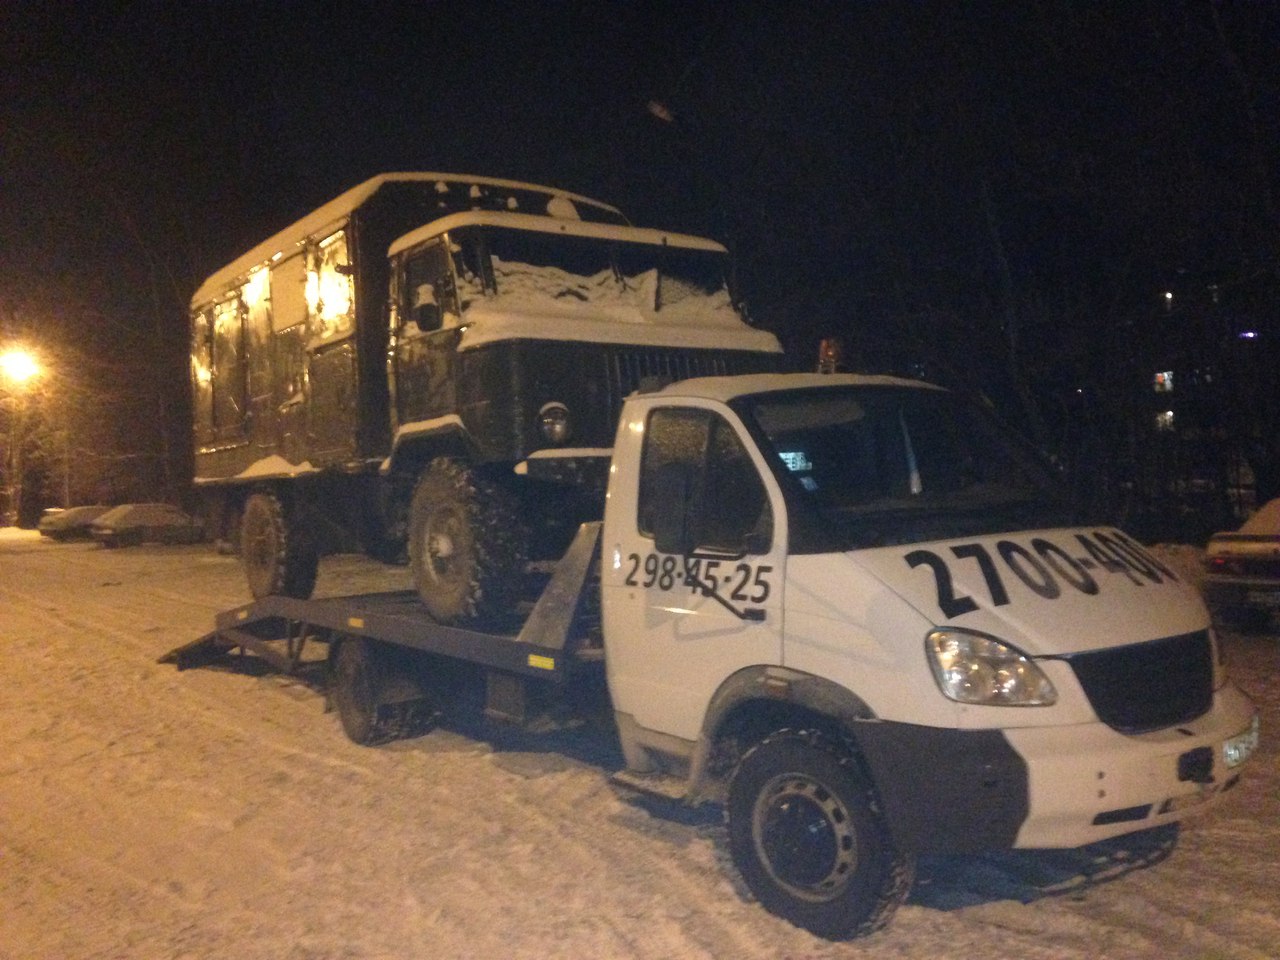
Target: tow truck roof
(731, 387)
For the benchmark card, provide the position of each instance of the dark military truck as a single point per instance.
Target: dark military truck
(436, 363)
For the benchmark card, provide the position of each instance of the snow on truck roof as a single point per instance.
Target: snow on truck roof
(575, 228)
(728, 388)
(560, 204)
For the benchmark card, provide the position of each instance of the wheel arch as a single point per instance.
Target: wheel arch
(758, 700)
(411, 453)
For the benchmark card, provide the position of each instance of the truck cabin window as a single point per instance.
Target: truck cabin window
(895, 465)
(726, 507)
(429, 300)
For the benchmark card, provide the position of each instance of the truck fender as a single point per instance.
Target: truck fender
(415, 445)
(789, 691)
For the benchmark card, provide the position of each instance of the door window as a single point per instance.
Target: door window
(727, 502)
(428, 282)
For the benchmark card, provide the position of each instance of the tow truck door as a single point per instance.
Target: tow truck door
(695, 550)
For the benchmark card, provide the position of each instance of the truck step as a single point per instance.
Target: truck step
(664, 785)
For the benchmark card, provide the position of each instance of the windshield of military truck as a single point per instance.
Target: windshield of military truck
(880, 465)
(531, 270)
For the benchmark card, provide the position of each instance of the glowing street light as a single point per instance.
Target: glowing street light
(19, 368)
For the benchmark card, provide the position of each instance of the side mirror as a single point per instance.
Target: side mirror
(674, 511)
(427, 316)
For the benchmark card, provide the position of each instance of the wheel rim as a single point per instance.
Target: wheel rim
(804, 835)
(442, 535)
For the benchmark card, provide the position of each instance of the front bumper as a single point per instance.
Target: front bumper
(1088, 783)
(968, 791)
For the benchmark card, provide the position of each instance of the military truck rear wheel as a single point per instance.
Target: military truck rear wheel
(278, 555)
(467, 544)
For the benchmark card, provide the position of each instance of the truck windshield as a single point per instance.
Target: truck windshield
(552, 271)
(879, 465)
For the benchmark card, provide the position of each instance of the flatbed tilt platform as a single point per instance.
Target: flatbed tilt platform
(555, 634)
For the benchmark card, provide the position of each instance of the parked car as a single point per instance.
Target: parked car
(70, 524)
(1242, 570)
(134, 523)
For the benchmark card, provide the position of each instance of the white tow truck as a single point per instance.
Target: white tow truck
(853, 611)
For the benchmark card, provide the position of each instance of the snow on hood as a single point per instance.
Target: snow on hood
(489, 323)
(547, 303)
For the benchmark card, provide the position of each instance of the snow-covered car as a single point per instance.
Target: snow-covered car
(134, 523)
(70, 524)
(1242, 570)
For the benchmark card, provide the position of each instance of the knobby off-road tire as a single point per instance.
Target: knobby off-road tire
(279, 557)
(467, 544)
(806, 836)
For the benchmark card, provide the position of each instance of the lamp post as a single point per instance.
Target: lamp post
(19, 369)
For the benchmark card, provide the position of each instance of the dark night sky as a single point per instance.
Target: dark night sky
(896, 171)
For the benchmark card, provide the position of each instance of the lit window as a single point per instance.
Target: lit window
(329, 290)
(255, 288)
(1163, 381)
(1164, 420)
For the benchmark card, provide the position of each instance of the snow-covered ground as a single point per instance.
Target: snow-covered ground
(147, 813)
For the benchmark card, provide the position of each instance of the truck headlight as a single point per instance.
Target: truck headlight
(974, 668)
(553, 421)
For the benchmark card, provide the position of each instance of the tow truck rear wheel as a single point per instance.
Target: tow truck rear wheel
(357, 675)
(806, 836)
(467, 545)
(278, 556)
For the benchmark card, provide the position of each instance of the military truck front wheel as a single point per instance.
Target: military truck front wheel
(805, 834)
(277, 554)
(467, 545)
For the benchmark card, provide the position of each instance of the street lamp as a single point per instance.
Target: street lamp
(19, 368)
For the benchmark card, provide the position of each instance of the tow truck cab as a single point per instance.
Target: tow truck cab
(873, 564)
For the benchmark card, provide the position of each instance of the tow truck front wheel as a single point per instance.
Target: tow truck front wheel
(806, 836)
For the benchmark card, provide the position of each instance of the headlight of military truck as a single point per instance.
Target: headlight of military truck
(975, 668)
(554, 423)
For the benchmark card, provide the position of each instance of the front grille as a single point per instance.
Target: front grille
(625, 369)
(1146, 686)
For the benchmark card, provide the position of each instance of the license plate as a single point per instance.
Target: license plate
(1239, 748)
